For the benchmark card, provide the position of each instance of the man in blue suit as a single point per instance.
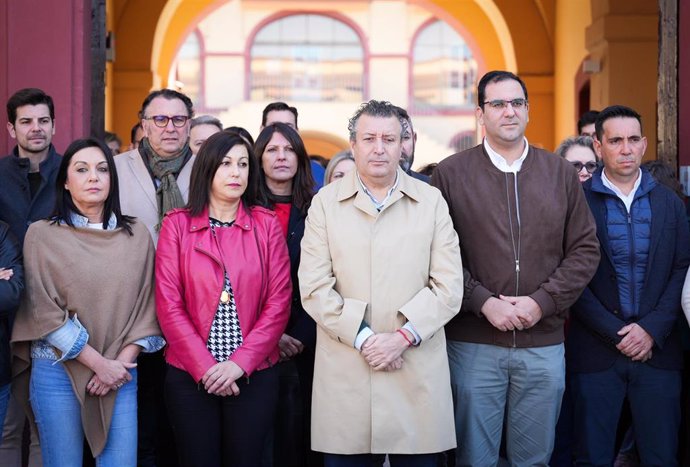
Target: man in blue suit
(623, 340)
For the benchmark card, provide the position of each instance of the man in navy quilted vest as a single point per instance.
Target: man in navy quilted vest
(623, 340)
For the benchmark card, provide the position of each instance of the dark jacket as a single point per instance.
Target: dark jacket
(300, 326)
(596, 317)
(10, 293)
(189, 281)
(418, 176)
(549, 255)
(17, 208)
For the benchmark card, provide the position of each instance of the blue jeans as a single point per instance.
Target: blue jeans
(524, 386)
(654, 397)
(58, 416)
(4, 399)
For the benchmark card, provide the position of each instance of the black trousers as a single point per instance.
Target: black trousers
(221, 431)
(156, 443)
(292, 435)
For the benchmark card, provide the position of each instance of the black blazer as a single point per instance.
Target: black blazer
(300, 326)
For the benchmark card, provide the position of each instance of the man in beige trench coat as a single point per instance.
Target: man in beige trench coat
(380, 273)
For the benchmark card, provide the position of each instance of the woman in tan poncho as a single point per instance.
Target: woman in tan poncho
(89, 310)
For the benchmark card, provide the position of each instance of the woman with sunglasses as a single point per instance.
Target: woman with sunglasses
(579, 151)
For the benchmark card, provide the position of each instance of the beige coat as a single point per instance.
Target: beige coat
(385, 268)
(137, 191)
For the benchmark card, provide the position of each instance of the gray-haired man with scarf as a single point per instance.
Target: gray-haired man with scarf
(153, 179)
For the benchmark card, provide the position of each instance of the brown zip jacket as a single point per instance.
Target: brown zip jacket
(529, 234)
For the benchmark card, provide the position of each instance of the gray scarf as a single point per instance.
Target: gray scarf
(166, 170)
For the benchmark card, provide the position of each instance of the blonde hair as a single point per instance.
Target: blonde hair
(335, 160)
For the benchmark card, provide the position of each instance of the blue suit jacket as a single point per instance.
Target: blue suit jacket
(595, 317)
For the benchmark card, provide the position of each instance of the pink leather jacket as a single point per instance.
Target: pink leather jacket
(189, 281)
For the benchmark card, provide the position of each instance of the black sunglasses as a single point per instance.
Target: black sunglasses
(589, 166)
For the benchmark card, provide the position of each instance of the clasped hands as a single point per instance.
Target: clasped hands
(383, 352)
(110, 375)
(221, 379)
(6, 274)
(636, 343)
(510, 313)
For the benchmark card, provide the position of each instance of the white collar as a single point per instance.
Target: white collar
(500, 162)
(627, 199)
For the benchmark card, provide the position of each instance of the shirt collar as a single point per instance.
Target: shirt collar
(82, 222)
(499, 161)
(377, 204)
(627, 199)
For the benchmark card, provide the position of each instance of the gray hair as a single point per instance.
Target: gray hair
(206, 120)
(375, 108)
(584, 141)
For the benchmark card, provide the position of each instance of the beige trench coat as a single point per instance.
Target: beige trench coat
(385, 268)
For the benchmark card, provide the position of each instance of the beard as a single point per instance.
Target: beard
(406, 163)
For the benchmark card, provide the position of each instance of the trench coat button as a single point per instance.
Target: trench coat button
(615, 312)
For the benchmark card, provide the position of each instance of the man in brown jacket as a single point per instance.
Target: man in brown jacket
(529, 248)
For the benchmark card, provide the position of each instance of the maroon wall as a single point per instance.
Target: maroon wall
(46, 44)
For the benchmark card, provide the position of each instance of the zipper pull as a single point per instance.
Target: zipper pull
(517, 265)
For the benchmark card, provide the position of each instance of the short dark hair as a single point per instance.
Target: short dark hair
(303, 185)
(375, 108)
(109, 136)
(133, 133)
(496, 76)
(168, 94)
(614, 111)
(428, 169)
(64, 205)
(664, 174)
(404, 115)
(206, 165)
(586, 118)
(28, 96)
(242, 132)
(278, 106)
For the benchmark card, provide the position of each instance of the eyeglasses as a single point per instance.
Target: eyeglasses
(589, 166)
(500, 104)
(161, 121)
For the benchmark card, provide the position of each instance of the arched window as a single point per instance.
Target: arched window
(306, 57)
(444, 71)
(462, 141)
(188, 72)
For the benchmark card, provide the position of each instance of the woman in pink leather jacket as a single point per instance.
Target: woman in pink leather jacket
(223, 298)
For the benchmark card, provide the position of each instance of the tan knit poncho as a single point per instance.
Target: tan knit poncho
(106, 279)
